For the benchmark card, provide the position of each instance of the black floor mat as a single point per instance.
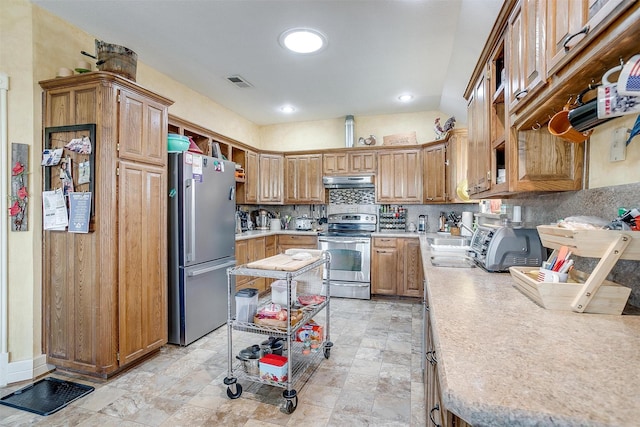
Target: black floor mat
(46, 396)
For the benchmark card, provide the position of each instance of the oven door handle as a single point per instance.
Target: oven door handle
(350, 285)
(320, 239)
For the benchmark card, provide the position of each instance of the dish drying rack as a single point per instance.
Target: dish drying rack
(588, 293)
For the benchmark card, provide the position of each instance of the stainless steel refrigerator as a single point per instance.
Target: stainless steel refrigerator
(201, 221)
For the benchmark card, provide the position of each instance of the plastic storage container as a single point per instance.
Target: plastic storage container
(273, 368)
(279, 292)
(246, 304)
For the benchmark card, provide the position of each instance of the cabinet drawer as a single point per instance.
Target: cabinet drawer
(384, 242)
(290, 239)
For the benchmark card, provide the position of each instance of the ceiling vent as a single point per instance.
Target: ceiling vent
(239, 81)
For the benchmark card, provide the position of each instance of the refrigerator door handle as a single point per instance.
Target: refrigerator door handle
(193, 273)
(232, 193)
(190, 219)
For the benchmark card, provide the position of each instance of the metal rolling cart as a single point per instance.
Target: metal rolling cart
(279, 267)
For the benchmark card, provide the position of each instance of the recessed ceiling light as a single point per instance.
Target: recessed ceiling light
(405, 98)
(287, 109)
(303, 40)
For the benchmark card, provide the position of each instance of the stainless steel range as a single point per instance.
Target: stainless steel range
(348, 240)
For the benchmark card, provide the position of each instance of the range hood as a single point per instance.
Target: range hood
(348, 181)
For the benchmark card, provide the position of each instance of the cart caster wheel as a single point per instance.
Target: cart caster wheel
(290, 406)
(237, 394)
(327, 353)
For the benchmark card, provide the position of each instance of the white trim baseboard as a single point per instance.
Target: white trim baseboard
(27, 369)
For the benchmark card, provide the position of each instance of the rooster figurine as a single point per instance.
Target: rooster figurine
(441, 131)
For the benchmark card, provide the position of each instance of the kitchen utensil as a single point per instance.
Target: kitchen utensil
(560, 126)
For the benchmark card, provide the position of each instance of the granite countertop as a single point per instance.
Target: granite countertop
(503, 360)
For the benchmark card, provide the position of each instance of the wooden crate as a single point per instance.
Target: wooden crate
(609, 298)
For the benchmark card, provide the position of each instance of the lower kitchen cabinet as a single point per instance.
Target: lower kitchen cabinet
(295, 241)
(396, 267)
(437, 414)
(248, 251)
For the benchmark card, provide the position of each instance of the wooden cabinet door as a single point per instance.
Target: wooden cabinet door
(384, 266)
(242, 257)
(572, 24)
(435, 159)
(142, 129)
(303, 179)
(479, 142)
(362, 162)
(411, 268)
(271, 178)
(142, 257)
(525, 55)
(399, 177)
(543, 162)
(456, 163)
(334, 163)
(252, 177)
(257, 251)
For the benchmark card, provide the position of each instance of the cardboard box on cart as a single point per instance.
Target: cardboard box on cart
(310, 331)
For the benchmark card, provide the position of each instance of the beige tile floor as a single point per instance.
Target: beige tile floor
(372, 378)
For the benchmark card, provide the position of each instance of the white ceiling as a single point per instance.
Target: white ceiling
(378, 49)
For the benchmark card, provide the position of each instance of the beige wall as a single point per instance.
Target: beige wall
(602, 172)
(331, 133)
(17, 60)
(34, 45)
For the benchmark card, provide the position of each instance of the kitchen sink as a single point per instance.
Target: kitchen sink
(449, 241)
(455, 261)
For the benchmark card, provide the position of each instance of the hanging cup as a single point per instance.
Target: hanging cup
(560, 126)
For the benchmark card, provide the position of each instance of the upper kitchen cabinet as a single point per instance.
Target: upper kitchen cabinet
(303, 179)
(398, 176)
(435, 160)
(105, 292)
(572, 24)
(525, 53)
(355, 161)
(214, 144)
(270, 182)
(247, 190)
(445, 168)
(479, 166)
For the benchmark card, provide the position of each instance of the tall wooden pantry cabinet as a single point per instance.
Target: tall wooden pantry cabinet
(105, 292)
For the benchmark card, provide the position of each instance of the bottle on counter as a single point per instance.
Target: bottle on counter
(442, 221)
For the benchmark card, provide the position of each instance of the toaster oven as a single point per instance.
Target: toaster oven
(496, 248)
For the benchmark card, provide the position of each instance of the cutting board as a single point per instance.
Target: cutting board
(281, 262)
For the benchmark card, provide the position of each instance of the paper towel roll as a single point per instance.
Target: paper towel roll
(467, 220)
(517, 214)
